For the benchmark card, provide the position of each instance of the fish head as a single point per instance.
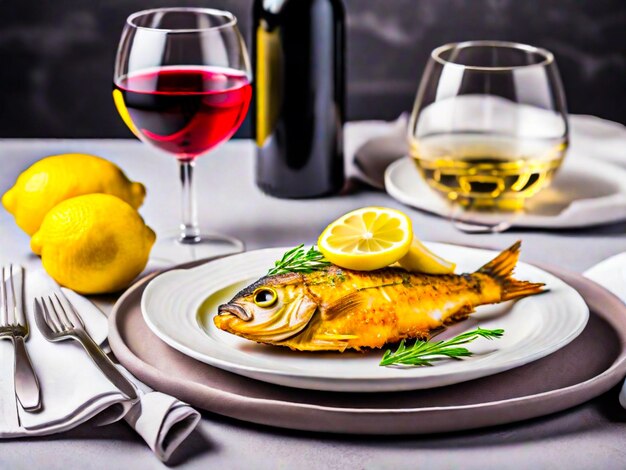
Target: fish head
(272, 309)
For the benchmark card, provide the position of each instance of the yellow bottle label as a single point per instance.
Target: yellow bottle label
(268, 81)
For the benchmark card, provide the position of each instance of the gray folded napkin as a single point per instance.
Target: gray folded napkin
(371, 146)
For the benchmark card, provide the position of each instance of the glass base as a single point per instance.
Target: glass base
(483, 220)
(169, 250)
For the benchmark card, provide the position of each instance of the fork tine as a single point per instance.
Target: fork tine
(12, 297)
(18, 281)
(65, 319)
(41, 320)
(45, 315)
(52, 318)
(71, 312)
(3, 300)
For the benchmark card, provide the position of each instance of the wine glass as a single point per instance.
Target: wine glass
(489, 129)
(182, 84)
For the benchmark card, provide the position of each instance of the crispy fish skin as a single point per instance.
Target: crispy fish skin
(338, 309)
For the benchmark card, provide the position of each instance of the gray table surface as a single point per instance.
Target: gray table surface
(589, 436)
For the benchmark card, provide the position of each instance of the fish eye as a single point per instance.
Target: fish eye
(265, 297)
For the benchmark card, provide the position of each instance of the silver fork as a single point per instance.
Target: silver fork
(58, 322)
(14, 326)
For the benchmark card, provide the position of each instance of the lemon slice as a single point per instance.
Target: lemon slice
(421, 259)
(367, 239)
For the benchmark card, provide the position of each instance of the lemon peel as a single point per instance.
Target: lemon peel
(54, 179)
(93, 244)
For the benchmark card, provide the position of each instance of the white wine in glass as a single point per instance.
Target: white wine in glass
(489, 128)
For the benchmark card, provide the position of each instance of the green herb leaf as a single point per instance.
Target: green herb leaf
(299, 260)
(424, 353)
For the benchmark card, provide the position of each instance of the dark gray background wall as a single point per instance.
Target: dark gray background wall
(56, 56)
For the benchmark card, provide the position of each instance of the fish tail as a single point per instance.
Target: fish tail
(501, 269)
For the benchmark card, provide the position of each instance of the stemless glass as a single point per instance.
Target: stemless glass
(182, 84)
(489, 129)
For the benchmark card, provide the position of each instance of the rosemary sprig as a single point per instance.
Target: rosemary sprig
(423, 353)
(299, 260)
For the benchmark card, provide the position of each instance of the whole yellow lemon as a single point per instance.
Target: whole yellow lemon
(57, 178)
(93, 244)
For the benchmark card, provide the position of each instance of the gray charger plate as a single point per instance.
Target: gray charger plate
(587, 367)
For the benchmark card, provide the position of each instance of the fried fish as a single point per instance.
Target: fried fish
(337, 309)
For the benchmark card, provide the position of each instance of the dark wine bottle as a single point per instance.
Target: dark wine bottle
(298, 59)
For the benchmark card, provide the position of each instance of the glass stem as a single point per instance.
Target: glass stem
(190, 233)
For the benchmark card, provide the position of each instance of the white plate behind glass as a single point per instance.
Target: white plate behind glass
(179, 306)
(585, 192)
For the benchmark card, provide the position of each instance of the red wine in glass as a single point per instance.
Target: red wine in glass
(182, 84)
(186, 110)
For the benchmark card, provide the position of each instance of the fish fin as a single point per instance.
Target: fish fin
(503, 264)
(501, 269)
(345, 304)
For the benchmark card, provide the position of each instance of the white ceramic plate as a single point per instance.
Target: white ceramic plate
(179, 305)
(585, 192)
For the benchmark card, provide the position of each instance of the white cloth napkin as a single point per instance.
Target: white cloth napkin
(594, 137)
(163, 421)
(611, 274)
(74, 390)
